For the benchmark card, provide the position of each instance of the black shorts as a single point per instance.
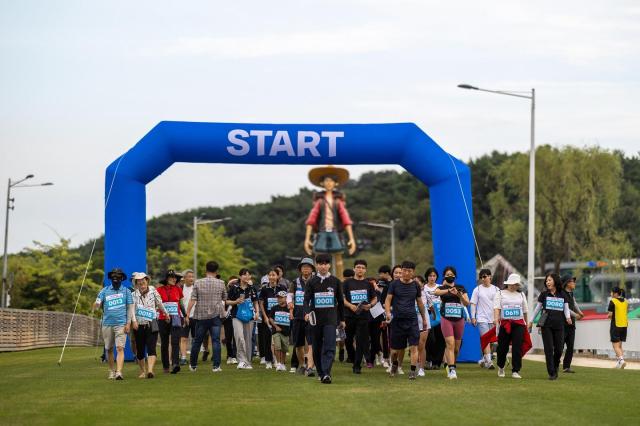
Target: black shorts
(300, 329)
(618, 334)
(404, 332)
(190, 329)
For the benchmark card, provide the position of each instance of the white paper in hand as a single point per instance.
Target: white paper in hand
(376, 310)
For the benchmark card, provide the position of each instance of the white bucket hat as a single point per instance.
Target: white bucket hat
(139, 276)
(513, 279)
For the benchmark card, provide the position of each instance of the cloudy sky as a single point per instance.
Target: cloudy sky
(82, 82)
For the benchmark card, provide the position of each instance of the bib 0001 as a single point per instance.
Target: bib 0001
(324, 300)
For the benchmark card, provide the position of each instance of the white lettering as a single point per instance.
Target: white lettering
(332, 136)
(308, 144)
(235, 137)
(260, 135)
(282, 143)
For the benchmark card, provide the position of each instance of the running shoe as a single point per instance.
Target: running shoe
(400, 372)
(516, 375)
(176, 369)
(421, 372)
(385, 363)
(568, 370)
(263, 361)
(378, 360)
(310, 372)
(229, 361)
(240, 365)
(299, 370)
(192, 368)
(393, 371)
(452, 374)
(119, 376)
(369, 365)
(268, 366)
(142, 375)
(412, 375)
(216, 369)
(247, 366)
(482, 363)
(234, 360)
(500, 372)
(490, 366)
(326, 380)
(623, 364)
(112, 375)
(183, 361)
(150, 375)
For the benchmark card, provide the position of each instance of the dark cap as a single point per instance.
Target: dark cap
(567, 279)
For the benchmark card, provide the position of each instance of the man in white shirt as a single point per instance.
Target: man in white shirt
(482, 312)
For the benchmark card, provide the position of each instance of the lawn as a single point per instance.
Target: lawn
(35, 390)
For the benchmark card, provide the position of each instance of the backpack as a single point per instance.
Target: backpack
(245, 311)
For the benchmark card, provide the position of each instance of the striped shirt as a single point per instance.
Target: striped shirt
(151, 299)
(209, 294)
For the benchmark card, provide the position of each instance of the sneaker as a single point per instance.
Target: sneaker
(412, 375)
(490, 366)
(369, 365)
(385, 364)
(452, 374)
(216, 369)
(421, 372)
(623, 364)
(357, 371)
(112, 375)
(284, 368)
(378, 360)
(516, 375)
(142, 375)
(268, 366)
(393, 371)
(247, 366)
(229, 361)
(500, 372)
(482, 363)
(205, 355)
(400, 371)
(166, 370)
(183, 361)
(263, 361)
(310, 372)
(234, 360)
(326, 380)
(240, 365)
(568, 370)
(150, 375)
(119, 376)
(176, 369)
(294, 370)
(553, 377)
(192, 368)
(299, 370)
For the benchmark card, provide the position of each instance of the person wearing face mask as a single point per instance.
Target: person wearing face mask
(454, 299)
(118, 313)
(170, 331)
(147, 302)
(554, 304)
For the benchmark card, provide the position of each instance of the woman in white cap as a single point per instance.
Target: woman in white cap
(147, 301)
(510, 317)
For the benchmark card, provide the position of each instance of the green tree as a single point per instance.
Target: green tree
(577, 193)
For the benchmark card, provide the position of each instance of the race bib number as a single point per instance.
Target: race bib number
(358, 296)
(554, 304)
(511, 312)
(282, 318)
(324, 300)
(299, 298)
(145, 313)
(114, 301)
(171, 307)
(271, 302)
(453, 310)
(418, 310)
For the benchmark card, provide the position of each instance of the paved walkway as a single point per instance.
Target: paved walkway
(589, 362)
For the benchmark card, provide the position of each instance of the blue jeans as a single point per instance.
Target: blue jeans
(324, 348)
(212, 325)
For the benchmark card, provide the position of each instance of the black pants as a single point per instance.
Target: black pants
(349, 341)
(359, 330)
(374, 338)
(168, 332)
(324, 348)
(385, 342)
(435, 346)
(515, 339)
(264, 342)
(569, 339)
(553, 340)
(145, 339)
(229, 341)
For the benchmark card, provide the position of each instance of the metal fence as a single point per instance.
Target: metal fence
(22, 329)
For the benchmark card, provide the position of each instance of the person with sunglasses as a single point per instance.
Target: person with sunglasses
(482, 312)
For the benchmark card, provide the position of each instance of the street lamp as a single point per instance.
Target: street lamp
(10, 206)
(391, 226)
(532, 182)
(200, 221)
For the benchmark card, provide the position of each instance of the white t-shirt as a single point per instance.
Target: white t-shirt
(430, 291)
(511, 303)
(483, 297)
(186, 291)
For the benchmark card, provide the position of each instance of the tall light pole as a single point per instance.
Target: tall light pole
(392, 227)
(200, 221)
(5, 259)
(532, 184)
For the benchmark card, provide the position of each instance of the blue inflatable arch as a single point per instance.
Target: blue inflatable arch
(314, 144)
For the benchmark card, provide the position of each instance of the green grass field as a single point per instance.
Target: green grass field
(34, 390)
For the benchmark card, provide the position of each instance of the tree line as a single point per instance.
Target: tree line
(587, 208)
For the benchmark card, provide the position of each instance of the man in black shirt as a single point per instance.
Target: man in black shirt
(323, 307)
(384, 278)
(403, 296)
(359, 296)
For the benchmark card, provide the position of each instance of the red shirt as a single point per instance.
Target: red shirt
(170, 293)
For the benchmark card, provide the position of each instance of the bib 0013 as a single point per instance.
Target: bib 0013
(358, 296)
(324, 300)
(114, 301)
(143, 312)
(511, 312)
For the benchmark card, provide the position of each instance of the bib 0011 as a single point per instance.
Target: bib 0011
(171, 307)
(324, 300)
(282, 318)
